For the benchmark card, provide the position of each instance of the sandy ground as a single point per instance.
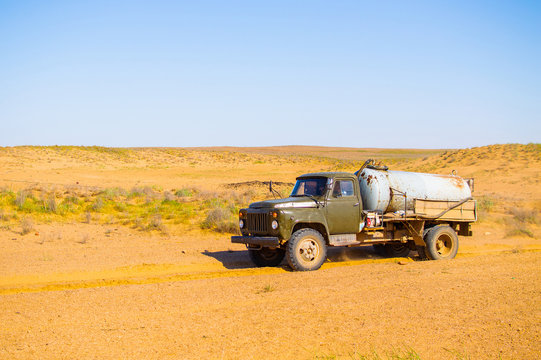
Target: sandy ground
(468, 307)
(75, 290)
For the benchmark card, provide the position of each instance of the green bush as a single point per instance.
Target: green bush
(184, 193)
(485, 203)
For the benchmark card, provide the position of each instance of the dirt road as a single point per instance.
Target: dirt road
(478, 306)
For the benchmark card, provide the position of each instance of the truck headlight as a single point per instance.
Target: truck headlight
(274, 224)
(241, 223)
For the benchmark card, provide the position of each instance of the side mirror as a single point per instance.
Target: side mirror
(329, 184)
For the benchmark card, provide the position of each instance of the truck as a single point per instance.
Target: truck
(394, 211)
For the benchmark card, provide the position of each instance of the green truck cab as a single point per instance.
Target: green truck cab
(326, 209)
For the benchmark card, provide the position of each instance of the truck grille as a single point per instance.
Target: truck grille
(258, 223)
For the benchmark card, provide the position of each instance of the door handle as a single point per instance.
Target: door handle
(356, 204)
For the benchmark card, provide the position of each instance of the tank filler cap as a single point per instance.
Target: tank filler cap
(378, 166)
(371, 164)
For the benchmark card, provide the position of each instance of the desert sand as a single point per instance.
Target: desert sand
(111, 281)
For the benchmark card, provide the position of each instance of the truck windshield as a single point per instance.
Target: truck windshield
(309, 187)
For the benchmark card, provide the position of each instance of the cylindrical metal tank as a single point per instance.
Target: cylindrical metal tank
(382, 189)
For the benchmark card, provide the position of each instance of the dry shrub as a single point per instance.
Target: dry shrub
(525, 215)
(266, 289)
(138, 223)
(84, 239)
(157, 224)
(219, 219)
(185, 192)
(518, 231)
(168, 196)
(112, 193)
(20, 199)
(521, 218)
(146, 191)
(485, 204)
(149, 192)
(207, 195)
(240, 198)
(27, 225)
(98, 204)
(50, 204)
(214, 216)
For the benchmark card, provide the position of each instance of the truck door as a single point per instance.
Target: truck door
(343, 208)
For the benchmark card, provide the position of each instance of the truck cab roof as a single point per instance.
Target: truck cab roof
(333, 174)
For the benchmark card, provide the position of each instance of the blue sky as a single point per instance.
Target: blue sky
(414, 74)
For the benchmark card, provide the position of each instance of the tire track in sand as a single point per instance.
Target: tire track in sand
(164, 273)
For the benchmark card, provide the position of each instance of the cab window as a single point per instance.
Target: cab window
(343, 188)
(311, 187)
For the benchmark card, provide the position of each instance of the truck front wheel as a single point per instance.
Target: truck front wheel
(266, 256)
(441, 243)
(306, 250)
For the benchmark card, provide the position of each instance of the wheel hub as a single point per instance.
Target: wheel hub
(444, 245)
(308, 250)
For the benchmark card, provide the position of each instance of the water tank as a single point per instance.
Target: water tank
(381, 189)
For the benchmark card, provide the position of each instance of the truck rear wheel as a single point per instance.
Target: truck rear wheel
(441, 243)
(392, 250)
(379, 249)
(306, 250)
(397, 250)
(266, 256)
(421, 251)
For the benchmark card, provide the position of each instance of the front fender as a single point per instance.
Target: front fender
(292, 217)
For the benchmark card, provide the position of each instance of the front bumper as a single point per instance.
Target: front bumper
(270, 241)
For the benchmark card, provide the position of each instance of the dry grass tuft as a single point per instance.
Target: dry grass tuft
(522, 218)
(27, 225)
(395, 354)
(267, 289)
(3, 215)
(221, 220)
(185, 192)
(156, 223)
(21, 199)
(520, 231)
(525, 215)
(168, 196)
(49, 204)
(485, 204)
(84, 239)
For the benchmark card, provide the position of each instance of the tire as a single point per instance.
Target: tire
(441, 243)
(421, 251)
(266, 256)
(380, 249)
(306, 250)
(392, 250)
(397, 250)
